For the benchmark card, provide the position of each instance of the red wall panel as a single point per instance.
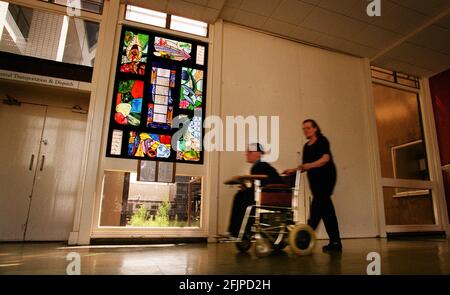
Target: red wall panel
(440, 96)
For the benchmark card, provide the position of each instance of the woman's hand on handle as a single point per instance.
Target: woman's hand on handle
(305, 167)
(289, 171)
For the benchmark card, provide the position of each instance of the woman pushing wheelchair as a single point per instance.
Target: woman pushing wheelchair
(319, 165)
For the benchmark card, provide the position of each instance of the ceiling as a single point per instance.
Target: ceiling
(410, 36)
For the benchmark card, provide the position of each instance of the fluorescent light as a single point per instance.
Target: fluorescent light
(146, 16)
(187, 25)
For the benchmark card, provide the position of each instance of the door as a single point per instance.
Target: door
(57, 177)
(408, 190)
(20, 135)
(40, 154)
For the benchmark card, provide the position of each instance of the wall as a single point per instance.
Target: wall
(266, 75)
(440, 97)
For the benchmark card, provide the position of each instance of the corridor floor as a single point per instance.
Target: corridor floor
(418, 256)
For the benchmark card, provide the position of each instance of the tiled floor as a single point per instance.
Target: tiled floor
(421, 256)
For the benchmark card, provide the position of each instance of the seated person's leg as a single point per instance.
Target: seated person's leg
(242, 200)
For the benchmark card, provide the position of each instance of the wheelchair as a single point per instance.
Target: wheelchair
(273, 223)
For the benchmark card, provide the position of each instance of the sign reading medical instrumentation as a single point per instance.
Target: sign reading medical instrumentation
(160, 81)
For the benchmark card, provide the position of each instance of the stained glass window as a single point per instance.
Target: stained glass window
(129, 102)
(153, 87)
(134, 53)
(148, 145)
(189, 145)
(160, 108)
(191, 89)
(171, 49)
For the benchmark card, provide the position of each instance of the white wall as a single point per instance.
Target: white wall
(266, 75)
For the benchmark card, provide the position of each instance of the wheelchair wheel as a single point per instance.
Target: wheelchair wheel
(245, 244)
(263, 247)
(302, 239)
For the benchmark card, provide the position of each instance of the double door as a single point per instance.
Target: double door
(41, 150)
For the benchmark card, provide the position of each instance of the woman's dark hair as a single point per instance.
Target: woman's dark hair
(315, 125)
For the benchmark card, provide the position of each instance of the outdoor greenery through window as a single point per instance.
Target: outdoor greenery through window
(127, 202)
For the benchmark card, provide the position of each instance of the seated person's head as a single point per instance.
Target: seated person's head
(254, 152)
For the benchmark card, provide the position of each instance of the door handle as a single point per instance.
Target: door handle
(42, 163)
(30, 167)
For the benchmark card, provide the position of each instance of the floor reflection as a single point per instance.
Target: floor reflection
(397, 257)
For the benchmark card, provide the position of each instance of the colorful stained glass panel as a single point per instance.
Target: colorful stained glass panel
(189, 145)
(148, 145)
(160, 108)
(134, 53)
(191, 93)
(129, 102)
(172, 49)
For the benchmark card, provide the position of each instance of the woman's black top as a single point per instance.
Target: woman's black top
(322, 179)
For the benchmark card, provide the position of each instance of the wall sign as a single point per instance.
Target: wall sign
(38, 79)
(158, 77)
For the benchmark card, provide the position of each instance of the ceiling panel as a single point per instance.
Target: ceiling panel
(434, 37)
(279, 27)
(358, 49)
(314, 2)
(359, 10)
(375, 37)
(249, 19)
(332, 23)
(396, 65)
(341, 6)
(445, 22)
(216, 4)
(199, 2)
(261, 7)
(420, 56)
(292, 11)
(228, 13)
(338, 24)
(192, 10)
(427, 7)
(330, 41)
(233, 3)
(400, 19)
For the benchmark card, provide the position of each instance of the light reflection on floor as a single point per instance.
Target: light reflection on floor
(419, 256)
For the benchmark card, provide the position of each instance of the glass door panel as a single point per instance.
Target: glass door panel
(402, 152)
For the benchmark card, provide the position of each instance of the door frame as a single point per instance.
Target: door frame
(88, 213)
(433, 159)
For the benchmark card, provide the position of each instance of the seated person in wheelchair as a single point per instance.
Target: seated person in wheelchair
(245, 197)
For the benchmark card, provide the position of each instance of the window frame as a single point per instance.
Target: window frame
(168, 23)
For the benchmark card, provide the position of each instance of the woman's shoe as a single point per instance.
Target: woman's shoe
(332, 247)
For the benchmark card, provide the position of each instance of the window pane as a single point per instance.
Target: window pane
(188, 25)
(408, 206)
(400, 137)
(130, 203)
(383, 74)
(146, 16)
(46, 35)
(95, 6)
